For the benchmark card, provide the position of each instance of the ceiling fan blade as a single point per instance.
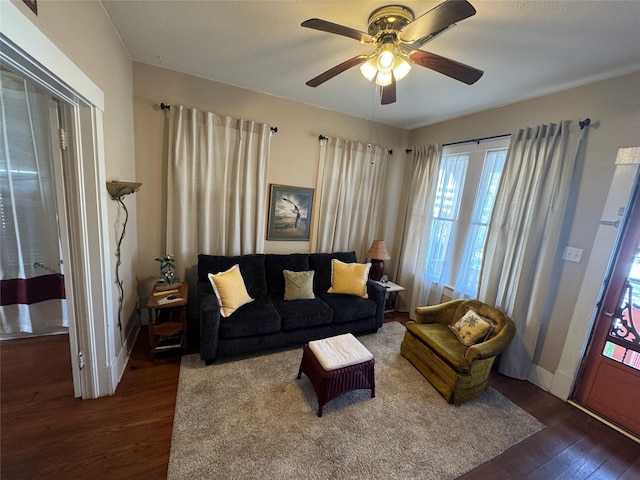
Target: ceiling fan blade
(330, 27)
(450, 68)
(332, 72)
(436, 19)
(389, 92)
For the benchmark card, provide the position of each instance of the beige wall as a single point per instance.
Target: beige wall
(84, 33)
(614, 108)
(294, 149)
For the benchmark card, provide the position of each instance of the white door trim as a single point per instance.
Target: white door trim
(27, 49)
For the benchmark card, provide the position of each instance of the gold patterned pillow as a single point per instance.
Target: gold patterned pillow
(472, 328)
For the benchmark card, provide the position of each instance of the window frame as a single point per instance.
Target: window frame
(476, 156)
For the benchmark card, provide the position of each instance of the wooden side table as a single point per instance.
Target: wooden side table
(391, 288)
(168, 321)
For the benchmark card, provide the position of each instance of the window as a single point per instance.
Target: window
(453, 169)
(467, 186)
(469, 272)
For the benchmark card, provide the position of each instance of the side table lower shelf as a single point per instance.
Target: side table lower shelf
(168, 322)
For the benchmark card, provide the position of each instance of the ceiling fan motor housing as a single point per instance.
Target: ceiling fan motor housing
(389, 17)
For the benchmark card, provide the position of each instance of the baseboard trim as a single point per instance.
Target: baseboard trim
(540, 377)
(119, 366)
(593, 414)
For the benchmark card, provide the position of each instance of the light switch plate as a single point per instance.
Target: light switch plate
(572, 254)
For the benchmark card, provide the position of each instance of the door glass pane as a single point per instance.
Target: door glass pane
(623, 340)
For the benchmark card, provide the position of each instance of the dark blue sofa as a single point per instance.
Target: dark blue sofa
(272, 322)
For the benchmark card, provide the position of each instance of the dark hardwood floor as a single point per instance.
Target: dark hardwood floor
(46, 433)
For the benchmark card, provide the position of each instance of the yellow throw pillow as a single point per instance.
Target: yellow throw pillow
(349, 278)
(230, 290)
(472, 328)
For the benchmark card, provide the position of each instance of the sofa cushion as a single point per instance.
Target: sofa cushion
(297, 314)
(442, 341)
(230, 289)
(256, 318)
(251, 267)
(348, 308)
(321, 264)
(298, 285)
(275, 264)
(472, 328)
(349, 278)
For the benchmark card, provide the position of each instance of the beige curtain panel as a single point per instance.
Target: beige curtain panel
(351, 193)
(523, 237)
(216, 185)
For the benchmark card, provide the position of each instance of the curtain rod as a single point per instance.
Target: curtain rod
(582, 123)
(472, 140)
(164, 106)
(322, 137)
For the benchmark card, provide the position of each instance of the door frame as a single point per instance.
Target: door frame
(610, 300)
(27, 50)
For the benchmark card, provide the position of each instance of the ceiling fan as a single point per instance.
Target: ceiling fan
(397, 36)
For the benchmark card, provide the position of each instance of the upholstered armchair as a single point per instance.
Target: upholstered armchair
(434, 345)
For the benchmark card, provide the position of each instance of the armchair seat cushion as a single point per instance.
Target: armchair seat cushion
(443, 342)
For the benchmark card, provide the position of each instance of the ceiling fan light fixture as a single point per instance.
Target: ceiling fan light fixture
(368, 69)
(401, 68)
(384, 78)
(386, 58)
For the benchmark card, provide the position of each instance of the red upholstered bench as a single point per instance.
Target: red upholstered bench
(337, 365)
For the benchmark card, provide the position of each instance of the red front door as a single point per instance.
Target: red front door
(609, 382)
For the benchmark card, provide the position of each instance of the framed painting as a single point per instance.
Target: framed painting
(290, 213)
(33, 5)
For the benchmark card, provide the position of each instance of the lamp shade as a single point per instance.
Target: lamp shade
(378, 251)
(119, 189)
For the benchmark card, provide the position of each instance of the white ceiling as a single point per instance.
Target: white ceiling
(526, 49)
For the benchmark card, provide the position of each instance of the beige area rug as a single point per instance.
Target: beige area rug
(252, 419)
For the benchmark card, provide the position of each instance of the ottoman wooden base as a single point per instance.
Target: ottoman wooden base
(329, 384)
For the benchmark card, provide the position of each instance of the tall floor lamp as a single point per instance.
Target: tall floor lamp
(117, 190)
(378, 254)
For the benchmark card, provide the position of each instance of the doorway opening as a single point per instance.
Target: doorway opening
(84, 226)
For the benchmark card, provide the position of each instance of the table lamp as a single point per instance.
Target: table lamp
(378, 254)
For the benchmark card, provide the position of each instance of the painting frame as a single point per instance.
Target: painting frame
(32, 4)
(290, 211)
